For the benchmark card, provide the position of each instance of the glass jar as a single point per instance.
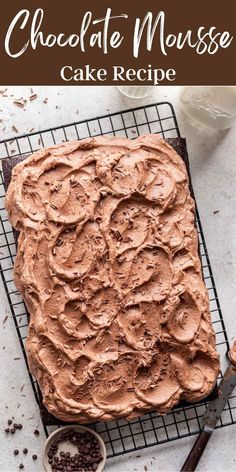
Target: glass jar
(214, 107)
(136, 91)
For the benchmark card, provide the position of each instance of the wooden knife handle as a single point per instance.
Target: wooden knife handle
(196, 452)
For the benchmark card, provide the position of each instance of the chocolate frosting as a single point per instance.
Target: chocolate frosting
(232, 353)
(108, 266)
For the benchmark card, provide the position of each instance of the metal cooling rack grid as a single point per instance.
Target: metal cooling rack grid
(120, 436)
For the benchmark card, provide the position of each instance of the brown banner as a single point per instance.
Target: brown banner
(115, 43)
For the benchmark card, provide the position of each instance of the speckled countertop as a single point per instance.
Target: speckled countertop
(213, 168)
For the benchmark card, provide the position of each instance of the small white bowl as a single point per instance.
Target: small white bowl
(71, 448)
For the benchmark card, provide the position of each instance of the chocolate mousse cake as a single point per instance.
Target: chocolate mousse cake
(109, 269)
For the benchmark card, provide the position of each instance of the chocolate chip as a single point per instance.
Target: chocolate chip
(21, 466)
(87, 458)
(9, 422)
(19, 426)
(7, 430)
(16, 452)
(25, 450)
(34, 457)
(15, 425)
(13, 430)
(36, 432)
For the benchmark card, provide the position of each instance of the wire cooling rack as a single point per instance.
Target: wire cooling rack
(120, 436)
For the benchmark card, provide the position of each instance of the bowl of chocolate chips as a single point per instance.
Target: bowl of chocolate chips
(74, 448)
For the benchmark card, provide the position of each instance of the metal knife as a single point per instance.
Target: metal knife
(210, 418)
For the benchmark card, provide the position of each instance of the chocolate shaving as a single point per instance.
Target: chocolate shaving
(5, 319)
(19, 103)
(33, 97)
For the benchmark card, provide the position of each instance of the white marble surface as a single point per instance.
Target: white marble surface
(213, 166)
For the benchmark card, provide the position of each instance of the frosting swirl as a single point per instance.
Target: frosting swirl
(108, 266)
(232, 354)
